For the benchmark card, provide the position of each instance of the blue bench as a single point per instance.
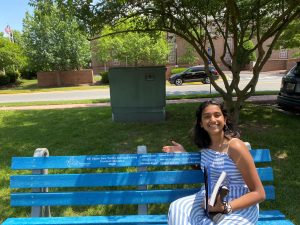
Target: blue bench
(40, 190)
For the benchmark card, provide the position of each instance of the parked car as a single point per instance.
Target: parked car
(289, 95)
(195, 73)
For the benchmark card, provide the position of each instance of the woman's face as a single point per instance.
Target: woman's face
(212, 119)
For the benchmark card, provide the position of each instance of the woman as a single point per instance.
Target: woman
(222, 150)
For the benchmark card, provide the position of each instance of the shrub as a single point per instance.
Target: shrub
(177, 70)
(104, 77)
(28, 74)
(13, 76)
(4, 80)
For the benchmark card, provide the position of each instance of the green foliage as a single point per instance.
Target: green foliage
(104, 77)
(133, 48)
(246, 53)
(290, 38)
(13, 76)
(4, 79)
(177, 70)
(26, 73)
(249, 45)
(11, 55)
(53, 41)
(189, 57)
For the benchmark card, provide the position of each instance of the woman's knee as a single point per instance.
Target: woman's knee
(182, 205)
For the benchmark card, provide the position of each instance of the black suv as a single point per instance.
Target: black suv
(195, 73)
(289, 95)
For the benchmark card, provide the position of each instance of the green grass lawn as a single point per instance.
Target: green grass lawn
(91, 101)
(29, 86)
(91, 131)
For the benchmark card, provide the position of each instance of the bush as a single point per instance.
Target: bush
(104, 77)
(4, 80)
(28, 74)
(13, 76)
(177, 70)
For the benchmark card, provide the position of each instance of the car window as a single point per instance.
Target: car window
(188, 70)
(297, 70)
(197, 69)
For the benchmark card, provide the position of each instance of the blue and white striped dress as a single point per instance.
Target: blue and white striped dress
(188, 210)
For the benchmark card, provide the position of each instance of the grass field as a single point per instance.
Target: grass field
(91, 131)
(91, 101)
(30, 86)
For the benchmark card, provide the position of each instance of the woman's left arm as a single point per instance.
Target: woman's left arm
(239, 153)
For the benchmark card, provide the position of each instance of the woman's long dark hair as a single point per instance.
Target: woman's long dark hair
(200, 136)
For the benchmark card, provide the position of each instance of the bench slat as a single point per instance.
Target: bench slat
(107, 197)
(107, 179)
(99, 197)
(106, 161)
(265, 217)
(119, 160)
(131, 219)
(275, 222)
(117, 179)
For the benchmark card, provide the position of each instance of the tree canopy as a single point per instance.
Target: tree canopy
(290, 38)
(189, 57)
(11, 55)
(200, 23)
(133, 48)
(52, 39)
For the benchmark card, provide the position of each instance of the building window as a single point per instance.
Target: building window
(283, 54)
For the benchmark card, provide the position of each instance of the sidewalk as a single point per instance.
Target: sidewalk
(263, 99)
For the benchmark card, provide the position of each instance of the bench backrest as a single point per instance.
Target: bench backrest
(160, 173)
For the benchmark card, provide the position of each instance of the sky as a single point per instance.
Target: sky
(12, 13)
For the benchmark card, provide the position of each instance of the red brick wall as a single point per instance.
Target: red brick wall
(291, 62)
(274, 64)
(280, 64)
(64, 78)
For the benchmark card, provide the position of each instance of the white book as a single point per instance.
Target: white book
(215, 191)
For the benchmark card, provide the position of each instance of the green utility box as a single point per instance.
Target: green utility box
(137, 93)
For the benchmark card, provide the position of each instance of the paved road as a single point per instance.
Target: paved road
(267, 81)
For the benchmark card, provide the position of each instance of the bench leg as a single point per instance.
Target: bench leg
(143, 208)
(40, 211)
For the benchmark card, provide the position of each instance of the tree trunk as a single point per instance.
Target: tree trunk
(233, 108)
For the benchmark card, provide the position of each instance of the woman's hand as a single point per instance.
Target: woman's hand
(173, 148)
(218, 207)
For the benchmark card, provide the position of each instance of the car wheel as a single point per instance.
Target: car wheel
(178, 82)
(206, 80)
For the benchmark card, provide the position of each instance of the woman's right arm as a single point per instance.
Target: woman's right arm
(176, 147)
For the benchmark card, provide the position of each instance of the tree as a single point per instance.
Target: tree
(290, 38)
(248, 45)
(52, 39)
(133, 48)
(199, 23)
(189, 57)
(11, 55)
